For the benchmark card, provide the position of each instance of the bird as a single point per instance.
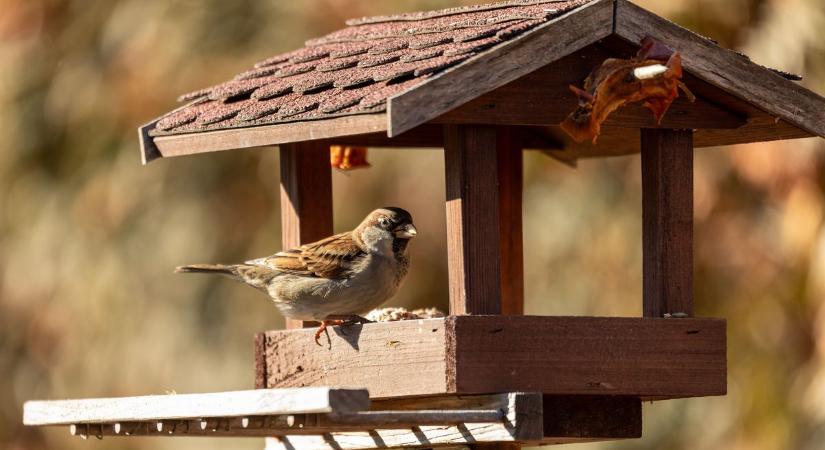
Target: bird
(336, 280)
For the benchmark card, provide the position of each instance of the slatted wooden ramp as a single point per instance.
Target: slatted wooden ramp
(325, 419)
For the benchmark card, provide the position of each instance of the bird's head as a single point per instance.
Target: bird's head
(386, 229)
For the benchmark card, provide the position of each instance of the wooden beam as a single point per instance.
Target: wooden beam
(473, 219)
(726, 69)
(259, 354)
(400, 348)
(431, 135)
(635, 357)
(262, 136)
(602, 415)
(499, 66)
(511, 245)
(667, 221)
(306, 197)
(221, 404)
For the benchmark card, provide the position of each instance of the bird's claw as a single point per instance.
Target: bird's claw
(344, 320)
(323, 329)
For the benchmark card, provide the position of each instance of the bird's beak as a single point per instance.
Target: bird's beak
(405, 231)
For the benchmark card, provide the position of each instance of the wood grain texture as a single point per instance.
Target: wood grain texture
(594, 417)
(259, 355)
(238, 138)
(394, 358)
(726, 69)
(306, 197)
(497, 67)
(473, 252)
(184, 406)
(511, 243)
(543, 98)
(431, 135)
(667, 221)
(638, 357)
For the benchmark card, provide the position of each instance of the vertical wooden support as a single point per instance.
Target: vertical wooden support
(260, 361)
(667, 221)
(484, 250)
(511, 245)
(306, 197)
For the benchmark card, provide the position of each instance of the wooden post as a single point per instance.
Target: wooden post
(484, 243)
(667, 221)
(483, 166)
(511, 245)
(306, 197)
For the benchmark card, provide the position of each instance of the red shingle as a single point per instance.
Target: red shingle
(355, 70)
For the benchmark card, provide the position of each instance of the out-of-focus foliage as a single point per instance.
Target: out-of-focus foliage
(89, 305)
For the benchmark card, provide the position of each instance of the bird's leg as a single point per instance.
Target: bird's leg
(349, 319)
(323, 328)
(339, 319)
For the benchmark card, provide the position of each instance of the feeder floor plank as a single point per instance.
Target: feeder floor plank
(184, 406)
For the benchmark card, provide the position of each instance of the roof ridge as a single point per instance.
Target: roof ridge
(421, 15)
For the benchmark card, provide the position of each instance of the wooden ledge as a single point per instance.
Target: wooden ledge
(637, 357)
(201, 406)
(515, 417)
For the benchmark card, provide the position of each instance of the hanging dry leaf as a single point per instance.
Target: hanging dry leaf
(618, 82)
(347, 158)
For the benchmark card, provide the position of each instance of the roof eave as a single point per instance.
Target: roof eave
(260, 136)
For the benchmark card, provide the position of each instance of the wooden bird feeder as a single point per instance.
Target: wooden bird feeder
(484, 83)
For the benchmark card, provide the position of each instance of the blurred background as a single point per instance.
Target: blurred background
(89, 305)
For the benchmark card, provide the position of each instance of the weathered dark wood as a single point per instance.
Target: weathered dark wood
(262, 136)
(667, 221)
(595, 417)
(259, 355)
(382, 355)
(726, 69)
(543, 98)
(306, 197)
(499, 66)
(510, 181)
(431, 135)
(636, 357)
(473, 219)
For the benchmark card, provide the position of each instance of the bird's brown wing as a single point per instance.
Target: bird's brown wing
(333, 257)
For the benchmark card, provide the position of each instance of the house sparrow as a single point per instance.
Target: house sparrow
(335, 280)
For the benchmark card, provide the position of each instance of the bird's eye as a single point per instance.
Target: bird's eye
(384, 222)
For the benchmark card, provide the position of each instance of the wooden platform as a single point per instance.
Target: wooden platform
(334, 419)
(647, 358)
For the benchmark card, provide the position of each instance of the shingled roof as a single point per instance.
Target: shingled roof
(507, 63)
(355, 70)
